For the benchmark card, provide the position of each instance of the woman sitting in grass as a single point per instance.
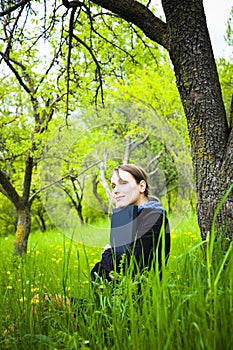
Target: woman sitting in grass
(152, 237)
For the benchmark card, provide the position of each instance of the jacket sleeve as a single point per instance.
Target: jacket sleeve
(146, 248)
(153, 235)
(110, 262)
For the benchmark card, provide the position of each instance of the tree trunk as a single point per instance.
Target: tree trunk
(79, 209)
(23, 208)
(22, 231)
(40, 221)
(103, 205)
(198, 83)
(94, 189)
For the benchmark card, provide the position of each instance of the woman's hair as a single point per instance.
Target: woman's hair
(137, 172)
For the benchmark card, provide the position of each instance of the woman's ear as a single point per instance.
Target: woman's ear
(142, 186)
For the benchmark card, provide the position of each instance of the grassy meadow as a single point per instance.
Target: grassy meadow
(191, 308)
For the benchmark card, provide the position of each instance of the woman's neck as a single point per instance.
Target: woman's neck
(142, 201)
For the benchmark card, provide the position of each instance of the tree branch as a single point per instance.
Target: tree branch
(72, 4)
(27, 178)
(35, 194)
(7, 123)
(98, 68)
(94, 189)
(4, 192)
(9, 38)
(13, 8)
(104, 38)
(154, 159)
(8, 190)
(143, 140)
(71, 197)
(138, 14)
(18, 77)
(71, 29)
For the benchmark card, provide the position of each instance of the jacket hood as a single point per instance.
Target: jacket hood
(153, 204)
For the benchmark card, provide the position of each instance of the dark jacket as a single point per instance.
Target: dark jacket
(153, 233)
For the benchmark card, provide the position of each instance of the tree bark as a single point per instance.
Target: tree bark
(23, 213)
(22, 231)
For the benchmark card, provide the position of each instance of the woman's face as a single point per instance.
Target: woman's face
(126, 191)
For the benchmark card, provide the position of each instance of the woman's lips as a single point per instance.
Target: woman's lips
(118, 198)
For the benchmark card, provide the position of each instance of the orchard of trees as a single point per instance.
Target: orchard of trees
(87, 85)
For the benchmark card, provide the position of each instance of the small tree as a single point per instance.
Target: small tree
(27, 110)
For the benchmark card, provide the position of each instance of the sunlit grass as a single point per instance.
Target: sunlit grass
(182, 311)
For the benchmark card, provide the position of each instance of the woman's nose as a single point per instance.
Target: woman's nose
(116, 189)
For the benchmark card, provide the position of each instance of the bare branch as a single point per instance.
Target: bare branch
(13, 8)
(154, 159)
(107, 40)
(143, 41)
(143, 140)
(7, 123)
(71, 29)
(35, 194)
(17, 75)
(12, 158)
(153, 171)
(138, 14)
(10, 37)
(27, 76)
(96, 63)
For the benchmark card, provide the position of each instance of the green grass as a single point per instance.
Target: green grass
(191, 308)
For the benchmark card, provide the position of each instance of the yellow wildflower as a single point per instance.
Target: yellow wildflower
(22, 299)
(35, 301)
